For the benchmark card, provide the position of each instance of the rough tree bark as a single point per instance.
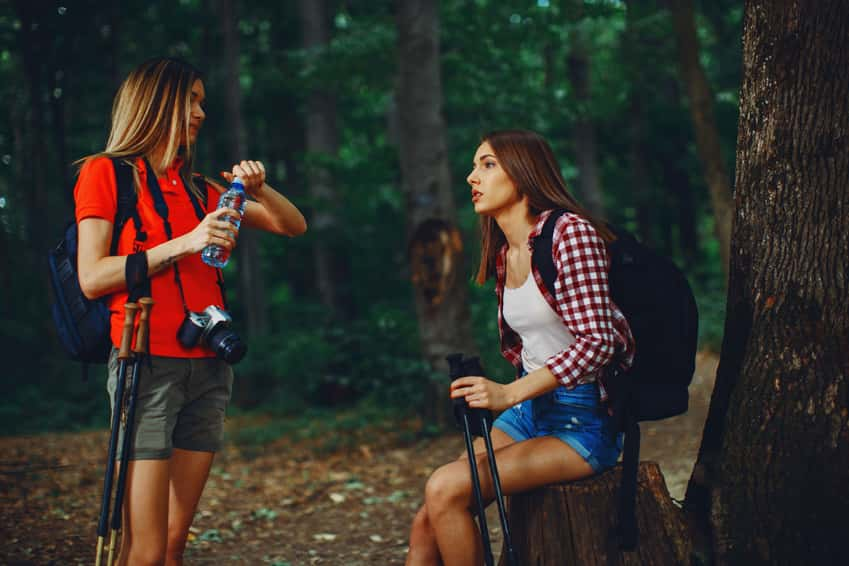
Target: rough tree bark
(251, 283)
(704, 123)
(436, 258)
(332, 267)
(772, 473)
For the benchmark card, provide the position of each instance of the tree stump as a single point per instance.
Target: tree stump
(573, 523)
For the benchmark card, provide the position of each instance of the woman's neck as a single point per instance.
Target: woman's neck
(155, 159)
(516, 222)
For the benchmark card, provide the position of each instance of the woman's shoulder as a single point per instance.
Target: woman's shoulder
(571, 224)
(96, 165)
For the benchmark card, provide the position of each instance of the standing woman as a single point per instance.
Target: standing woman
(183, 393)
(551, 429)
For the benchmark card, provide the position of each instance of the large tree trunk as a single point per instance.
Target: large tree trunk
(251, 283)
(436, 256)
(773, 468)
(332, 268)
(588, 187)
(704, 124)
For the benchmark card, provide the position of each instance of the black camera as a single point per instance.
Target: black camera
(212, 327)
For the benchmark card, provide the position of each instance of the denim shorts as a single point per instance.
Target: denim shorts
(180, 404)
(572, 415)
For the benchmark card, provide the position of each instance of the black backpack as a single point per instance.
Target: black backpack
(660, 308)
(82, 325)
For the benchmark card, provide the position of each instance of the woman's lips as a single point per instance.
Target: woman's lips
(476, 195)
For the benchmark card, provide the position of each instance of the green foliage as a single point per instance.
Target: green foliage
(505, 64)
(334, 363)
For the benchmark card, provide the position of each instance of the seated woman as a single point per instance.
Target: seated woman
(553, 427)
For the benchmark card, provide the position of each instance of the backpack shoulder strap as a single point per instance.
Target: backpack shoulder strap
(543, 256)
(127, 200)
(200, 207)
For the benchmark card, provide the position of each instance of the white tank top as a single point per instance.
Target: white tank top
(540, 327)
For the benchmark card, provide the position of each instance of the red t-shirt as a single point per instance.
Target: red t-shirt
(96, 196)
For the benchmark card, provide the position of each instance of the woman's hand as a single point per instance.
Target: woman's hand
(252, 174)
(482, 393)
(213, 229)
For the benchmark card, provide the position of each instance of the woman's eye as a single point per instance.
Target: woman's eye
(489, 164)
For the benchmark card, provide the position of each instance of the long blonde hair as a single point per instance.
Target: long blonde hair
(530, 164)
(151, 111)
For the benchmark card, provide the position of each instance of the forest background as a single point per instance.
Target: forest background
(312, 90)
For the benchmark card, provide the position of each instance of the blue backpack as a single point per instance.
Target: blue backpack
(660, 308)
(82, 325)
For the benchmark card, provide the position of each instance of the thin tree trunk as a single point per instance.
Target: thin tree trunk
(57, 114)
(704, 123)
(638, 161)
(773, 467)
(34, 157)
(332, 268)
(435, 246)
(676, 178)
(251, 283)
(588, 186)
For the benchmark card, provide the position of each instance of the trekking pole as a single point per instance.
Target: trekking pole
(130, 310)
(140, 351)
(461, 413)
(472, 366)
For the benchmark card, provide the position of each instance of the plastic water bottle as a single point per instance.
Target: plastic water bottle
(235, 198)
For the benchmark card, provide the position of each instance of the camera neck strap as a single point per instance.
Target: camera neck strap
(162, 209)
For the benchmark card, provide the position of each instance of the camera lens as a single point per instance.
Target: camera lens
(227, 345)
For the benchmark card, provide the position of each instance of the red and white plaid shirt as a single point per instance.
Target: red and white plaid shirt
(581, 298)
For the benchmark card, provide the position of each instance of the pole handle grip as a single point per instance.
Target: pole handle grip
(130, 310)
(143, 333)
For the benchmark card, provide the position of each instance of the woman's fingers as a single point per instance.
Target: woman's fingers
(468, 387)
(249, 171)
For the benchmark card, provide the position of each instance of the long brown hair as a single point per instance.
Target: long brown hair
(152, 110)
(530, 164)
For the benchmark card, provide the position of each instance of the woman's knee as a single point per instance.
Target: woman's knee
(447, 488)
(146, 555)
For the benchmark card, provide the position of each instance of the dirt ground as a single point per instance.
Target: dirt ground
(283, 504)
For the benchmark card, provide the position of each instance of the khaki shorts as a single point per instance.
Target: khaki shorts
(180, 404)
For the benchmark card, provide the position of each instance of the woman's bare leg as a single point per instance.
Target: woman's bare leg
(423, 548)
(521, 466)
(189, 472)
(144, 532)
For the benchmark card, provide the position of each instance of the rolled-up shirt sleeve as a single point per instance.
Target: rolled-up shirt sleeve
(583, 298)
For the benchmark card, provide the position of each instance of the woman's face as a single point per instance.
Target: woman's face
(492, 189)
(196, 115)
